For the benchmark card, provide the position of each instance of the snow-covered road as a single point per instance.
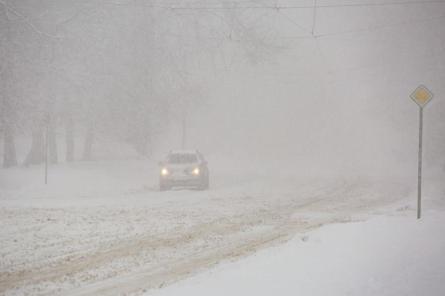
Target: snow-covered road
(112, 235)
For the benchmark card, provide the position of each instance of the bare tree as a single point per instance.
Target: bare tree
(7, 112)
(36, 155)
(9, 156)
(69, 130)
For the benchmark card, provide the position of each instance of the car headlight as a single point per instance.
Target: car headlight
(196, 171)
(164, 172)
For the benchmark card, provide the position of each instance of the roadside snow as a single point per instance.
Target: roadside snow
(103, 228)
(383, 256)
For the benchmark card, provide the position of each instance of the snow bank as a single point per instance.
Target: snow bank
(383, 256)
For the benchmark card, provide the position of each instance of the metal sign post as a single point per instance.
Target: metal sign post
(421, 96)
(47, 119)
(419, 174)
(46, 153)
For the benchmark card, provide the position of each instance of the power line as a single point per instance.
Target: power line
(364, 30)
(234, 5)
(314, 6)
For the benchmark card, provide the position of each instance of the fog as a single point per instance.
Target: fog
(273, 83)
(335, 104)
(145, 141)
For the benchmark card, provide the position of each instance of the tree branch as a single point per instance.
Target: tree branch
(28, 22)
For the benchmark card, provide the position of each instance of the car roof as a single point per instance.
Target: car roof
(183, 152)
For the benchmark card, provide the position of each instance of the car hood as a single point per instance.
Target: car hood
(182, 166)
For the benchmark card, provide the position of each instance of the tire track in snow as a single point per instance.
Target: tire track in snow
(225, 238)
(69, 266)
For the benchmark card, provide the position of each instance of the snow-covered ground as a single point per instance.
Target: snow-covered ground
(383, 256)
(104, 228)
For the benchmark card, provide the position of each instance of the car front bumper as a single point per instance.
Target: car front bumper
(181, 182)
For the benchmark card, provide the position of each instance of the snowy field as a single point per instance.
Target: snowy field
(303, 109)
(104, 227)
(383, 256)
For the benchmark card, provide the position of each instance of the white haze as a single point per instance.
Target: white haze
(304, 117)
(261, 91)
(334, 104)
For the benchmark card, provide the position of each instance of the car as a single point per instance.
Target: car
(184, 168)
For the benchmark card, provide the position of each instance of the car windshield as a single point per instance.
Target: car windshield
(182, 158)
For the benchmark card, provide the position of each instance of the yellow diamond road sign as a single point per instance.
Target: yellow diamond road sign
(422, 96)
